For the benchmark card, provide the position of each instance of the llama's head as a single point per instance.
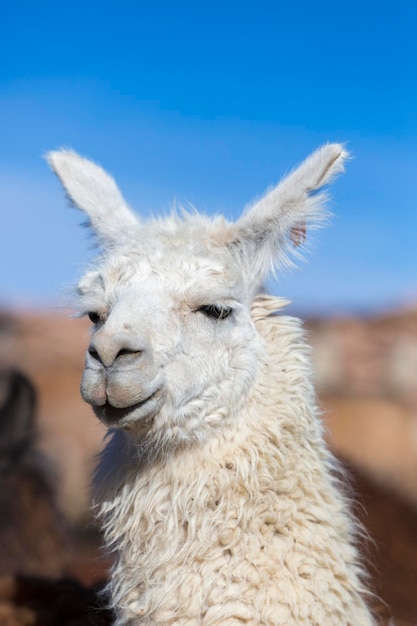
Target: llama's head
(173, 349)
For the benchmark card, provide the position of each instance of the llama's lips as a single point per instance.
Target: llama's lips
(143, 411)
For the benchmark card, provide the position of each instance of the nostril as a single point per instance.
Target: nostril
(125, 352)
(93, 352)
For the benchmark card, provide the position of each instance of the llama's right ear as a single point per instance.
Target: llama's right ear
(95, 192)
(267, 231)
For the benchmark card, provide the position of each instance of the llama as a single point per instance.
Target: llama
(33, 535)
(216, 491)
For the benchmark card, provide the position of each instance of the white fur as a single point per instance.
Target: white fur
(216, 491)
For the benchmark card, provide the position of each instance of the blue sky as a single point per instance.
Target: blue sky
(210, 103)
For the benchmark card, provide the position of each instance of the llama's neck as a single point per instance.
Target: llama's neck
(242, 512)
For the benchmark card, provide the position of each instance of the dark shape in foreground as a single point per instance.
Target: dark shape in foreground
(33, 535)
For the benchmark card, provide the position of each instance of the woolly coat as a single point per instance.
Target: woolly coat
(249, 527)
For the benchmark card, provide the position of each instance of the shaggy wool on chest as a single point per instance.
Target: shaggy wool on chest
(249, 528)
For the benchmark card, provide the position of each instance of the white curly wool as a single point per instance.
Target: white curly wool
(216, 491)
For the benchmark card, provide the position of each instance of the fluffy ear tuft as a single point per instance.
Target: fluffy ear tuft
(95, 192)
(267, 229)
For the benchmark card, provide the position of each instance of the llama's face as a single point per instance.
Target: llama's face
(173, 348)
(174, 351)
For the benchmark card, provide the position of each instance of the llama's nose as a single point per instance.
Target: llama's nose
(118, 348)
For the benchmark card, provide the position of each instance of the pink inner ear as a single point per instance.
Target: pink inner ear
(298, 234)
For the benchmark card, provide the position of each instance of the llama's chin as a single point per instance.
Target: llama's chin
(140, 415)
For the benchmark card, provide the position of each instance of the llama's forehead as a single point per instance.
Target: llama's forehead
(194, 244)
(188, 257)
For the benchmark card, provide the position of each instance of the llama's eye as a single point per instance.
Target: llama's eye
(216, 311)
(94, 317)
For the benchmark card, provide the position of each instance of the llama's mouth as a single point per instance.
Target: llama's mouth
(143, 411)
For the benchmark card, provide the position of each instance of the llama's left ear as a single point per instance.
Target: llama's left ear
(268, 229)
(95, 192)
